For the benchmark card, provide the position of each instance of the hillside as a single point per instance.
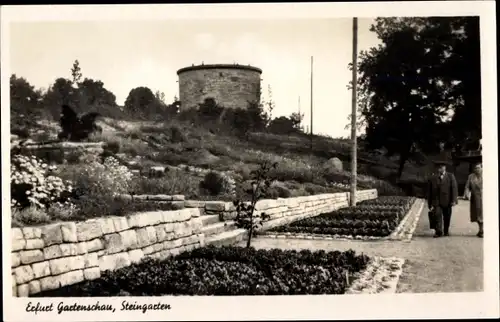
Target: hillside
(301, 170)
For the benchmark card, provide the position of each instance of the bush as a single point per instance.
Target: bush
(29, 216)
(33, 183)
(173, 182)
(216, 183)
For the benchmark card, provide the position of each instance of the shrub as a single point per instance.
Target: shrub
(33, 183)
(173, 182)
(218, 183)
(29, 216)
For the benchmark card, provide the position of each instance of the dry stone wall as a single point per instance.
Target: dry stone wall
(284, 210)
(52, 256)
(56, 255)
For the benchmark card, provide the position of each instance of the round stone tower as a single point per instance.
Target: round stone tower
(231, 86)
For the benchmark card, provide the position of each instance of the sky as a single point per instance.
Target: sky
(129, 54)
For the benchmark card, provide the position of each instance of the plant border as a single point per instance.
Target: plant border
(403, 232)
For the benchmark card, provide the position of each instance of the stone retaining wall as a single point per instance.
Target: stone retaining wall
(51, 256)
(284, 210)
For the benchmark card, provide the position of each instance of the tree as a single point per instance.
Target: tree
(60, 93)
(140, 100)
(413, 81)
(297, 119)
(76, 73)
(93, 93)
(283, 125)
(25, 105)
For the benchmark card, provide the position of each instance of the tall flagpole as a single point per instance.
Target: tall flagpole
(354, 146)
(311, 103)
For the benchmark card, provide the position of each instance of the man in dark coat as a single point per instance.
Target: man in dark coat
(442, 196)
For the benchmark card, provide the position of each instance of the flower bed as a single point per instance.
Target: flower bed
(370, 219)
(228, 271)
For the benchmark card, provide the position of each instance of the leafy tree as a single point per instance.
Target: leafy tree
(76, 73)
(140, 100)
(25, 105)
(297, 119)
(60, 93)
(419, 76)
(93, 93)
(282, 125)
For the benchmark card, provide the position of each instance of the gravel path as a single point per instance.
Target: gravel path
(447, 264)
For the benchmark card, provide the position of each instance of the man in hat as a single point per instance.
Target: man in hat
(442, 196)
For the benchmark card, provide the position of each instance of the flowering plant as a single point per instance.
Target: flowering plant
(108, 178)
(33, 184)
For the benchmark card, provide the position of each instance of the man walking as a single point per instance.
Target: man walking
(441, 197)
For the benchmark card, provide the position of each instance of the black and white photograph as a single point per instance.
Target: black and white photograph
(249, 161)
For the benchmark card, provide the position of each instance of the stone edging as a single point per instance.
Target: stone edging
(381, 276)
(403, 232)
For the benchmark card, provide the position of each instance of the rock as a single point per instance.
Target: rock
(333, 164)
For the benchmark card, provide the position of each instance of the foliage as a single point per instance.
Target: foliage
(97, 179)
(216, 183)
(245, 217)
(369, 218)
(33, 184)
(25, 106)
(283, 125)
(29, 216)
(424, 70)
(227, 271)
(77, 128)
(141, 102)
(172, 183)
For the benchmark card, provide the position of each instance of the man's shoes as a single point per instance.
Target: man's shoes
(480, 234)
(437, 235)
(446, 234)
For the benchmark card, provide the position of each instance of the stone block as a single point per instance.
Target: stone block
(114, 261)
(91, 273)
(171, 244)
(66, 264)
(34, 287)
(195, 212)
(184, 215)
(201, 239)
(23, 290)
(190, 240)
(18, 244)
(120, 223)
(178, 198)
(16, 233)
(91, 260)
(129, 238)
(53, 251)
(107, 225)
(136, 255)
(194, 204)
(49, 283)
(41, 269)
(81, 248)
(23, 274)
(88, 230)
(15, 259)
(69, 249)
(68, 230)
(32, 232)
(95, 245)
(215, 205)
(14, 288)
(158, 247)
(52, 234)
(70, 278)
(170, 216)
(176, 205)
(31, 256)
(113, 243)
(155, 218)
(148, 250)
(36, 243)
